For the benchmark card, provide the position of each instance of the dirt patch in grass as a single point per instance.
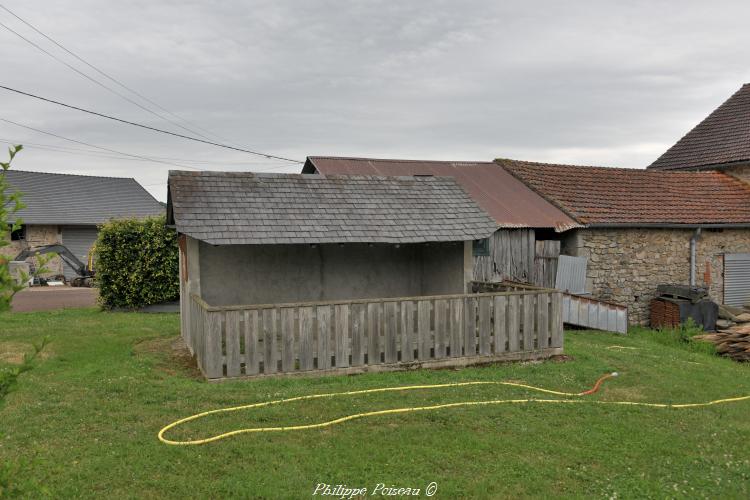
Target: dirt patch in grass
(13, 352)
(173, 355)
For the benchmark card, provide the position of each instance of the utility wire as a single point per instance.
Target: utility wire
(97, 82)
(147, 127)
(105, 155)
(95, 146)
(84, 152)
(108, 76)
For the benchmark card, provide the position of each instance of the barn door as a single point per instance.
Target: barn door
(545, 263)
(79, 240)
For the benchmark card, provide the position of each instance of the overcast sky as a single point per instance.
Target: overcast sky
(591, 82)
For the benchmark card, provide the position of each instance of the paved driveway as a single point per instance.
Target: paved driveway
(44, 298)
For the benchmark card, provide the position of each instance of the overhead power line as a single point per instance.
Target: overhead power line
(147, 127)
(95, 81)
(86, 152)
(110, 77)
(28, 127)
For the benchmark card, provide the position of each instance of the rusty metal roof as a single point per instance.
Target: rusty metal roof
(508, 200)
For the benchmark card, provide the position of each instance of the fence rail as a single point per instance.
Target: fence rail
(373, 334)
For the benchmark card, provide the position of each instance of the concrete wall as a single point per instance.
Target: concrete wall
(626, 265)
(257, 274)
(37, 235)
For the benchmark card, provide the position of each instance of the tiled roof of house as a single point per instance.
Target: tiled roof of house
(511, 203)
(722, 137)
(603, 196)
(225, 208)
(80, 199)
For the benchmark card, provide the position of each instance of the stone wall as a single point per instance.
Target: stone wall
(37, 235)
(626, 265)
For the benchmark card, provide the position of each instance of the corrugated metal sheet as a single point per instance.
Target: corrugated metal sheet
(736, 279)
(509, 201)
(592, 313)
(571, 274)
(79, 240)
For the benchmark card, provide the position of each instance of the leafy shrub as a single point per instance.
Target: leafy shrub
(136, 263)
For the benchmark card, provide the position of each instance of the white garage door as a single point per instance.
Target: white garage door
(79, 240)
(736, 279)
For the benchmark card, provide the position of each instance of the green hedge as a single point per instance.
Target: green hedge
(137, 263)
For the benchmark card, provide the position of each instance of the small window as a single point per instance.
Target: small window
(19, 234)
(481, 247)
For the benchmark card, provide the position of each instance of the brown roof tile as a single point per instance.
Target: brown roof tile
(601, 195)
(722, 137)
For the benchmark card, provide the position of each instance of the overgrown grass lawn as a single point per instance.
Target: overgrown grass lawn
(84, 422)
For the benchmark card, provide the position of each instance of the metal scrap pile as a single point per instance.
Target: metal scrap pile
(732, 338)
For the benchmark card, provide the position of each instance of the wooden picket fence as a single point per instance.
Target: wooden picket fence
(373, 334)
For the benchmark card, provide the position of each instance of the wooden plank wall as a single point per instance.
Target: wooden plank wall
(545, 263)
(354, 335)
(512, 253)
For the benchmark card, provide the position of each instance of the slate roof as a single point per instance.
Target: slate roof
(600, 196)
(226, 208)
(723, 137)
(80, 199)
(510, 202)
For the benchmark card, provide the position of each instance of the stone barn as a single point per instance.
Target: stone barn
(643, 228)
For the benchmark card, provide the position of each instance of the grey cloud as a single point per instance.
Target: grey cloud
(604, 82)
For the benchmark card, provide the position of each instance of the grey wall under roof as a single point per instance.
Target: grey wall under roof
(80, 199)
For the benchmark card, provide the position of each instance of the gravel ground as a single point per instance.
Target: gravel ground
(44, 298)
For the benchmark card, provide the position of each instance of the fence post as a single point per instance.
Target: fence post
(542, 320)
(252, 356)
(528, 322)
(213, 365)
(556, 332)
(233, 343)
(342, 335)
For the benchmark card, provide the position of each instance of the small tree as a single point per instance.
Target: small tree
(10, 205)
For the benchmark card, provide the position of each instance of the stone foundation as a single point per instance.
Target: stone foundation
(37, 235)
(626, 265)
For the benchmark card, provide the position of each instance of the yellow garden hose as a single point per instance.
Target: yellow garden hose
(410, 409)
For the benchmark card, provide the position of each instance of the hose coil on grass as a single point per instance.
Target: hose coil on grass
(412, 409)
